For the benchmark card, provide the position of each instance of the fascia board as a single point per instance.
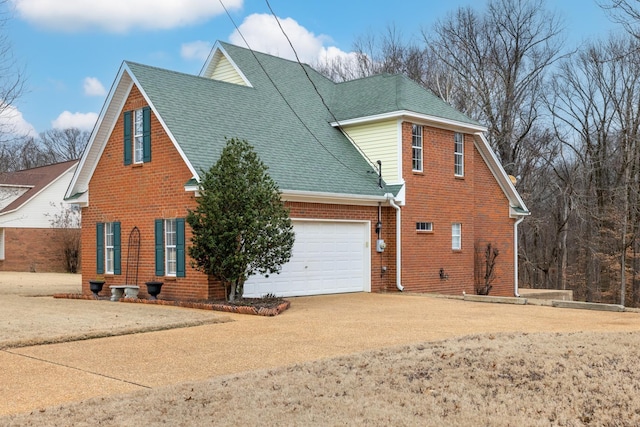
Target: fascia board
(214, 58)
(499, 173)
(116, 98)
(107, 120)
(333, 198)
(317, 197)
(413, 116)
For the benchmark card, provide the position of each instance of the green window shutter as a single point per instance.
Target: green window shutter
(99, 248)
(127, 137)
(116, 248)
(180, 255)
(146, 134)
(159, 247)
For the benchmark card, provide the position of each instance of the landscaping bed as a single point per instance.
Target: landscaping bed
(256, 306)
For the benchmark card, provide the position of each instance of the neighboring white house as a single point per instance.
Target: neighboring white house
(29, 201)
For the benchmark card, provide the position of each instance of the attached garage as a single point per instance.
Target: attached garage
(329, 257)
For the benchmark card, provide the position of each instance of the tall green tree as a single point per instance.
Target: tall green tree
(241, 226)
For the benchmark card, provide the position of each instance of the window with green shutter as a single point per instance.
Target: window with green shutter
(127, 137)
(180, 248)
(159, 239)
(137, 136)
(99, 248)
(170, 247)
(108, 248)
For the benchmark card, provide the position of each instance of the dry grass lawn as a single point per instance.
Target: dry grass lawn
(513, 379)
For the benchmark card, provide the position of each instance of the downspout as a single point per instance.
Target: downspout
(398, 245)
(515, 256)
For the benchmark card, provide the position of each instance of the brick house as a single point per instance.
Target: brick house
(373, 160)
(29, 199)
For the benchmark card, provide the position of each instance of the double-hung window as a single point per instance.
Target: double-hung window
(138, 147)
(137, 136)
(416, 148)
(108, 248)
(456, 236)
(170, 247)
(458, 154)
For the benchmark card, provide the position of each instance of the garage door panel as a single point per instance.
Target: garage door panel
(327, 257)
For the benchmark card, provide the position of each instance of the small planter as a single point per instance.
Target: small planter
(96, 286)
(153, 289)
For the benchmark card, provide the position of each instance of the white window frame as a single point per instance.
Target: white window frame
(424, 227)
(416, 148)
(456, 236)
(109, 248)
(138, 131)
(170, 247)
(458, 154)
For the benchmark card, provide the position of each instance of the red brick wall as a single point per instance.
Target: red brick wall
(32, 249)
(436, 195)
(136, 195)
(493, 225)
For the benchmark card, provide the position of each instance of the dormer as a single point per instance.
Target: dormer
(220, 66)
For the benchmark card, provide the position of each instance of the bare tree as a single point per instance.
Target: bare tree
(11, 77)
(500, 59)
(64, 144)
(66, 225)
(595, 110)
(388, 53)
(625, 13)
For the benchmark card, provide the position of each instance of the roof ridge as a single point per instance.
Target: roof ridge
(235, 46)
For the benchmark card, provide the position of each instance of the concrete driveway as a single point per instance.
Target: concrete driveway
(313, 328)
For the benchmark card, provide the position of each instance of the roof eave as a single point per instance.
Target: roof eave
(331, 198)
(517, 205)
(80, 199)
(118, 95)
(413, 116)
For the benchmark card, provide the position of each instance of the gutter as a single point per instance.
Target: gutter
(398, 243)
(515, 256)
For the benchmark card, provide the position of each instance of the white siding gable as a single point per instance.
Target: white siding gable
(380, 141)
(38, 211)
(226, 72)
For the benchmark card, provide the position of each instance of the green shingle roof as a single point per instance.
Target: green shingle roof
(303, 154)
(385, 93)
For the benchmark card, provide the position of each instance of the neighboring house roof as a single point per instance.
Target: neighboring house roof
(35, 179)
(278, 111)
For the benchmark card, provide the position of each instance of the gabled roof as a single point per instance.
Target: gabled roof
(385, 94)
(278, 111)
(36, 179)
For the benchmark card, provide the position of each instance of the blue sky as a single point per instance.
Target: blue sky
(71, 50)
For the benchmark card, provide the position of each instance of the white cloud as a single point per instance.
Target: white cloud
(82, 121)
(12, 122)
(196, 50)
(263, 34)
(93, 87)
(119, 15)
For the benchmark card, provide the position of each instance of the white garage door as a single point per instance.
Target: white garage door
(328, 258)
